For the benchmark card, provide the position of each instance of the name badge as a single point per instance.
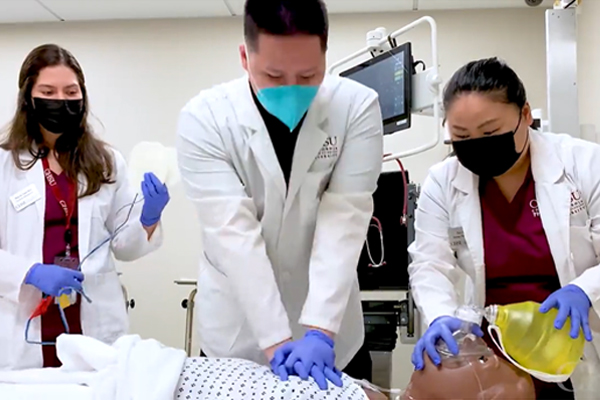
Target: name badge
(24, 198)
(457, 238)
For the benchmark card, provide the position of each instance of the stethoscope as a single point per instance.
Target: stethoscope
(375, 223)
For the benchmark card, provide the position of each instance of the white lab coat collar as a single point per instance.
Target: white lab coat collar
(546, 165)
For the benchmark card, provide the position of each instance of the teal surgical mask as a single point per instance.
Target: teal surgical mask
(288, 103)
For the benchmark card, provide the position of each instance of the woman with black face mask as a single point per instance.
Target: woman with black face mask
(516, 210)
(64, 191)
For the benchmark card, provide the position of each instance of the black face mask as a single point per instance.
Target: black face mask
(488, 156)
(58, 116)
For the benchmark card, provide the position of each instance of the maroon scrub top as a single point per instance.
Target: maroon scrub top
(518, 262)
(55, 246)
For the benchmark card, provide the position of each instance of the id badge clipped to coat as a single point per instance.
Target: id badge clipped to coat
(457, 239)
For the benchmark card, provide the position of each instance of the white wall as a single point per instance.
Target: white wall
(588, 63)
(141, 73)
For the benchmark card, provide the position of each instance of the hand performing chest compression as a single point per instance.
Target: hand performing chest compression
(312, 356)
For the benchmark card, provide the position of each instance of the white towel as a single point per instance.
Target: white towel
(131, 369)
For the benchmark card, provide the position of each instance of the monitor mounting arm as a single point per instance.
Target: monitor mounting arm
(379, 42)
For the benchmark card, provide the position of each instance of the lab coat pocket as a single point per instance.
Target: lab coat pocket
(582, 251)
(8, 314)
(218, 314)
(107, 319)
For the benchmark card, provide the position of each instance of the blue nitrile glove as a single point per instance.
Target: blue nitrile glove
(571, 301)
(156, 197)
(312, 355)
(50, 279)
(441, 328)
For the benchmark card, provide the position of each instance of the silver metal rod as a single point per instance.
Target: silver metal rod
(189, 323)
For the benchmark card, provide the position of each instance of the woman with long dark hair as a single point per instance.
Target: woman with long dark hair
(64, 192)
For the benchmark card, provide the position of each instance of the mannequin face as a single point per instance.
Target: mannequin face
(475, 377)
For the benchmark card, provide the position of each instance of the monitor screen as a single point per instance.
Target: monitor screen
(390, 75)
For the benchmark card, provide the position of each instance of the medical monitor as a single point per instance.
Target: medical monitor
(390, 75)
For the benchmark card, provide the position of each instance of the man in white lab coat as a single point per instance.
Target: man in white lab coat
(281, 166)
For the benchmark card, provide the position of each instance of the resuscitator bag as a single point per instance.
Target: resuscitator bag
(529, 340)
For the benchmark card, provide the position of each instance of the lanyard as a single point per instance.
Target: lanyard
(67, 208)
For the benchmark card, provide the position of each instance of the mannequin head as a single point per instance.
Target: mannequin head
(470, 376)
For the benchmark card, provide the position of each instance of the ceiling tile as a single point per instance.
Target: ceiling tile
(18, 11)
(77, 10)
(368, 6)
(347, 6)
(236, 6)
(474, 4)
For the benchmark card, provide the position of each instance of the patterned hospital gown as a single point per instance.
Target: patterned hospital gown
(234, 379)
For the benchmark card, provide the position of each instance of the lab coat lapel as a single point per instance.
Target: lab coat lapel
(84, 219)
(259, 139)
(311, 139)
(469, 210)
(35, 176)
(553, 197)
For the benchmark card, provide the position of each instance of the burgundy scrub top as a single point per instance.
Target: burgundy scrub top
(55, 246)
(518, 262)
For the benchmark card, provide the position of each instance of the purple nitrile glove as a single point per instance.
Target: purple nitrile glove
(441, 328)
(156, 197)
(50, 279)
(313, 355)
(571, 301)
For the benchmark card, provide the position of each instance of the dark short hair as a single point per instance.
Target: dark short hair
(285, 18)
(489, 76)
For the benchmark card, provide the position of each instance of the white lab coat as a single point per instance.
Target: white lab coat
(21, 242)
(275, 258)
(567, 186)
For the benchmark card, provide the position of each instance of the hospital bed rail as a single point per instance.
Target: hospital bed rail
(188, 305)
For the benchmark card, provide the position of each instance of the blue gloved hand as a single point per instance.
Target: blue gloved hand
(156, 197)
(312, 355)
(50, 279)
(571, 301)
(441, 328)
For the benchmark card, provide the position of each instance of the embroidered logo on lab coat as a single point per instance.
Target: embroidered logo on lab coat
(577, 203)
(534, 208)
(329, 149)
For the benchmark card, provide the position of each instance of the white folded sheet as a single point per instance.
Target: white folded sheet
(131, 369)
(11, 391)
